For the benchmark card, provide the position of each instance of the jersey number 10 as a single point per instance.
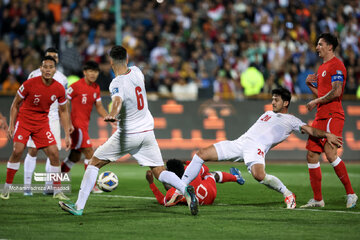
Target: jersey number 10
(139, 98)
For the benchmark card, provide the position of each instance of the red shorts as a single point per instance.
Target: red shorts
(332, 125)
(41, 135)
(80, 139)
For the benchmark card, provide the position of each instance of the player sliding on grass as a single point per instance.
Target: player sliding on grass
(134, 135)
(270, 129)
(204, 184)
(29, 117)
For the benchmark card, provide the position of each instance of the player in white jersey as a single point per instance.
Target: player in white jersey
(270, 129)
(54, 122)
(134, 135)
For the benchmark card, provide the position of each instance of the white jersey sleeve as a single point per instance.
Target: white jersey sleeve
(134, 115)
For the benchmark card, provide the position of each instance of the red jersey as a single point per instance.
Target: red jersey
(83, 97)
(332, 70)
(204, 185)
(37, 100)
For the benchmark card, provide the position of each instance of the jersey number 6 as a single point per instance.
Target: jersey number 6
(139, 98)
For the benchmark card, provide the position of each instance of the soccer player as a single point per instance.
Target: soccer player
(270, 129)
(134, 135)
(84, 94)
(29, 117)
(328, 85)
(30, 159)
(204, 184)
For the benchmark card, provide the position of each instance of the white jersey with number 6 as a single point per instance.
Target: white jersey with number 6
(134, 116)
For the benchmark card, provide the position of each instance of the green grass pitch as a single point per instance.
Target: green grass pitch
(251, 211)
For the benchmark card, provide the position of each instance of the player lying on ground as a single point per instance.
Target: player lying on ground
(204, 184)
(270, 129)
(29, 117)
(135, 134)
(83, 94)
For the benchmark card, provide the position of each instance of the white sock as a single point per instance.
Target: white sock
(219, 173)
(86, 161)
(336, 162)
(68, 163)
(29, 168)
(192, 170)
(274, 183)
(49, 169)
(87, 185)
(172, 179)
(54, 169)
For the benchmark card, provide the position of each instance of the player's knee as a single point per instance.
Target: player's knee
(202, 153)
(32, 152)
(312, 157)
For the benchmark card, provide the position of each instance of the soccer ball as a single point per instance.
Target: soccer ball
(107, 181)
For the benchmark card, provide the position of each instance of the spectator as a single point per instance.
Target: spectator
(252, 81)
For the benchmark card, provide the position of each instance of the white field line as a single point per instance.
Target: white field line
(222, 204)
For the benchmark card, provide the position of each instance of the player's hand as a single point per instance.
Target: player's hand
(10, 133)
(334, 140)
(311, 79)
(311, 105)
(109, 118)
(67, 143)
(71, 129)
(149, 176)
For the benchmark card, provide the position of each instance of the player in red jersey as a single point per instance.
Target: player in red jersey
(328, 85)
(84, 94)
(204, 184)
(29, 117)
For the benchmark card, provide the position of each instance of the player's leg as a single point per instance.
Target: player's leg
(88, 153)
(12, 167)
(29, 166)
(341, 172)
(258, 172)
(74, 157)
(234, 176)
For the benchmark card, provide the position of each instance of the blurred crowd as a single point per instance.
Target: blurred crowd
(187, 49)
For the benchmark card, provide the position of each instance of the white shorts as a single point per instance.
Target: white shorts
(241, 149)
(56, 131)
(142, 146)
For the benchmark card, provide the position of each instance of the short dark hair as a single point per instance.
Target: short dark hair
(91, 65)
(48, 58)
(118, 53)
(175, 166)
(51, 49)
(329, 39)
(283, 93)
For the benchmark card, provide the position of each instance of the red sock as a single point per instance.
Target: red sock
(228, 177)
(64, 168)
(315, 181)
(342, 173)
(10, 174)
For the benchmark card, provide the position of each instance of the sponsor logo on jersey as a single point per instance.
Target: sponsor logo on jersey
(70, 90)
(53, 98)
(20, 137)
(37, 95)
(21, 88)
(115, 90)
(323, 73)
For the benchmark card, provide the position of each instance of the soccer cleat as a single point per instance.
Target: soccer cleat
(236, 172)
(60, 196)
(290, 201)
(47, 192)
(191, 199)
(28, 193)
(351, 200)
(96, 190)
(175, 198)
(70, 208)
(314, 203)
(5, 195)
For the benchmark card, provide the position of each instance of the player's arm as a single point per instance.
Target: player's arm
(65, 122)
(159, 196)
(13, 114)
(100, 109)
(310, 81)
(115, 109)
(68, 109)
(335, 92)
(332, 139)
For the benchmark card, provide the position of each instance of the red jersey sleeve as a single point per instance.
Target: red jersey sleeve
(159, 196)
(204, 170)
(23, 90)
(71, 91)
(62, 95)
(98, 97)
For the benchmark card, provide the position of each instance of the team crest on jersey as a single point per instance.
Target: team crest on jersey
(20, 137)
(21, 88)
(70, 90)
(115, 90)
(323, 73)
(94, 95)
(53, 98)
